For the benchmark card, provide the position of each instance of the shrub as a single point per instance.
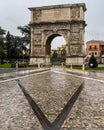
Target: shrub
(93, 62)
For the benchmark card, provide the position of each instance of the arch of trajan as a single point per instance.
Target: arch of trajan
(48, 22)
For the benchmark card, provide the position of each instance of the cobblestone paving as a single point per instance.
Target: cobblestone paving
(51, 91)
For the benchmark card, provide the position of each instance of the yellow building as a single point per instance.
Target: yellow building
(59, 50)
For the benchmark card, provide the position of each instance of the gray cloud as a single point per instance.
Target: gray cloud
(14, 13)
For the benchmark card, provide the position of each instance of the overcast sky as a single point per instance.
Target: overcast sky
(15, 13)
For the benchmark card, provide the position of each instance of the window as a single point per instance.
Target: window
(95, 48)
(95, 53)
(90, 47)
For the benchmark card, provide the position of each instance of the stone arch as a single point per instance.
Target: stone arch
(49, 40)
(59, 20)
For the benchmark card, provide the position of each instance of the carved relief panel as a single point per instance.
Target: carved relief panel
(37, 39)
(75, 34)
(75, 50)
(75, 12)
(75, 37)
(37, 50)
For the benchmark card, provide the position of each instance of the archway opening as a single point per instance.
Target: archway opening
(56, 49)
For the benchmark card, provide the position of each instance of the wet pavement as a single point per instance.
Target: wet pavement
(9, 70)
(51, 91)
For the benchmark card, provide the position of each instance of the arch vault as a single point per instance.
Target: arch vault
(59, 20)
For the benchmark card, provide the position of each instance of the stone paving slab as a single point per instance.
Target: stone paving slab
(88, 111)
(15, 113)
(51, 91)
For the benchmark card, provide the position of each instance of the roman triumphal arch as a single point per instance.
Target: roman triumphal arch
(49, 22)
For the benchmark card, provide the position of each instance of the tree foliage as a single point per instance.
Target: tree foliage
(25, 30)
(2, 52)
(13, 46)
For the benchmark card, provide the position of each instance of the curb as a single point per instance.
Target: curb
(87, 73)
(23, 72)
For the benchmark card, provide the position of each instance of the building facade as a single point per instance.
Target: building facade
(95, 48)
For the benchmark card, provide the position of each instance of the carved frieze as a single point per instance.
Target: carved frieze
(63, 26)
(75, 49)
(75, 12)
(63, 32)
(75, 28)
(48, 32)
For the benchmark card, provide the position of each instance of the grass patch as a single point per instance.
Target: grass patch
(98, 68)
(13, 65)
(77, 67)
(56, 63)
(87, 68)
(5, 65)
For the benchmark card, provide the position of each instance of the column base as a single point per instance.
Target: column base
(44, 61)
(75, 60)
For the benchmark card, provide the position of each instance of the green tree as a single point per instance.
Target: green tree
(2, 51)
(63, 53)
(16, 49)
(26, 38)
(93, 62)
(8, 45)
(55, 55)
(13, 46)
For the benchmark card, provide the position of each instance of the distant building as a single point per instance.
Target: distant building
(60, 50)
(96, 48)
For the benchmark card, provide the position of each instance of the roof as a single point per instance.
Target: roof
(95, 42)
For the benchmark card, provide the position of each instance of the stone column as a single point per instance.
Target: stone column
(69, 13)
(81, 13)
(32, 41)
(68, 44)
(82, 40)
(32, 17)
(42, 44)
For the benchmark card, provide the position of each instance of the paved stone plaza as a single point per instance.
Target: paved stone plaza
(51, 91)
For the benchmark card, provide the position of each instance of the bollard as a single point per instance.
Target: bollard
(71, 67)
(16, 65)
(62, 65)
(83, 67)
(38, 65)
